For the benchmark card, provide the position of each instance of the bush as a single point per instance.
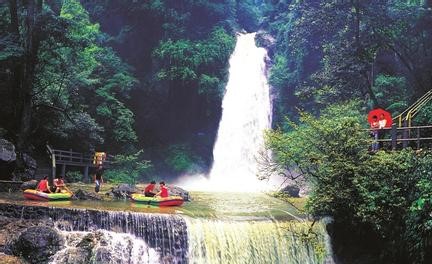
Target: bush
(385, 197)
(181, 159)
(128, 168)
(74, 176)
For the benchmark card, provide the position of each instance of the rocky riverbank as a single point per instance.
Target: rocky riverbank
(24, 241)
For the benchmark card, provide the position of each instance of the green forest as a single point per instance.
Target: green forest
(144, 80)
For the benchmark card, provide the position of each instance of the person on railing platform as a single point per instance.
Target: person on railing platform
(382, 123)
(374, 126)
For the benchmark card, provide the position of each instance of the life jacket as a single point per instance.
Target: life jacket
(42, 186)
(149, 188)
(164, 191)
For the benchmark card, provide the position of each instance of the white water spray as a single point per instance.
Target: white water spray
(246, 114)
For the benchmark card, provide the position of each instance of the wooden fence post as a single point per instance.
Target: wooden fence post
(405, 135)
(63, 170)
(418, 138)
(86, 174)
(394, 136)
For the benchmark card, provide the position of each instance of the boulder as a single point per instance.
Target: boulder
(37, 244)
(84, 195)
(7, 259)
(30, 166)
(177, 191)
(7, 151)
(123, 191)
(291, 190)
(7, 159)
(32, 184)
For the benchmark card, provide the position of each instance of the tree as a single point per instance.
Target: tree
(379, 202)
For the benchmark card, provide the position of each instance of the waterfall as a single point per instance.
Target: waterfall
(94, 236)
(246, 113)
(165, 233)
(241, 242)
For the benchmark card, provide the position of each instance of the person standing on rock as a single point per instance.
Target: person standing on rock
(98, 179)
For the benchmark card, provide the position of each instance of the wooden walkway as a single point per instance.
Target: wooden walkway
(65, 158)
(415, 137)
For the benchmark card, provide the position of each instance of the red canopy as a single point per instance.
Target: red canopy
(378, 112)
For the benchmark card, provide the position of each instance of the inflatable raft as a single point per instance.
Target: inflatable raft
(166, 201)
(41, 196)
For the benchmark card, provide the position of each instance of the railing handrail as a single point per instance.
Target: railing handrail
(398, 128)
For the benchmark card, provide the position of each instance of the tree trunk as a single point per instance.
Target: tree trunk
(31, 45)
(17, 69)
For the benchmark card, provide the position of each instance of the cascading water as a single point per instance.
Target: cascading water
(238, 242)
(246, 114)
(94, 236)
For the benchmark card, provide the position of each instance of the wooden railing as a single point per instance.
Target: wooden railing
(72, 158)
(415, 137)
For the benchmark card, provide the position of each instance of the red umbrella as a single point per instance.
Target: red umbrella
(378, 112)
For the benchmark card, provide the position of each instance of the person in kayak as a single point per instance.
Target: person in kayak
(60, 185)
(148, 191)
(163, 190)
(43, 185)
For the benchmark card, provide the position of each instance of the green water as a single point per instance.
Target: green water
(224, 206)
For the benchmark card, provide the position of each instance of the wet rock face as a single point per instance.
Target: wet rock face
(8, 259)
(177, 191)
(7, 151)
(30, 166)
(84, 195)
(7, 159)
(37, 244)
(32, 184)
(292, 191)
(267, 41)
(123, 191)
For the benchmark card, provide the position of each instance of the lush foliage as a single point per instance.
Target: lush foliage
(66, 80)
(129, 169)
(181, 159)
(73, 176)
(69, 85)
(387, 194)
(331, 51)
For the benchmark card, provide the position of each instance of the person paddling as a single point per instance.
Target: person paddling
(43, 185)
(60, 185)
(163, 190)
(149, 189)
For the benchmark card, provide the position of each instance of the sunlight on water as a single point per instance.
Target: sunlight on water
(246, 114)
(255, 242)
